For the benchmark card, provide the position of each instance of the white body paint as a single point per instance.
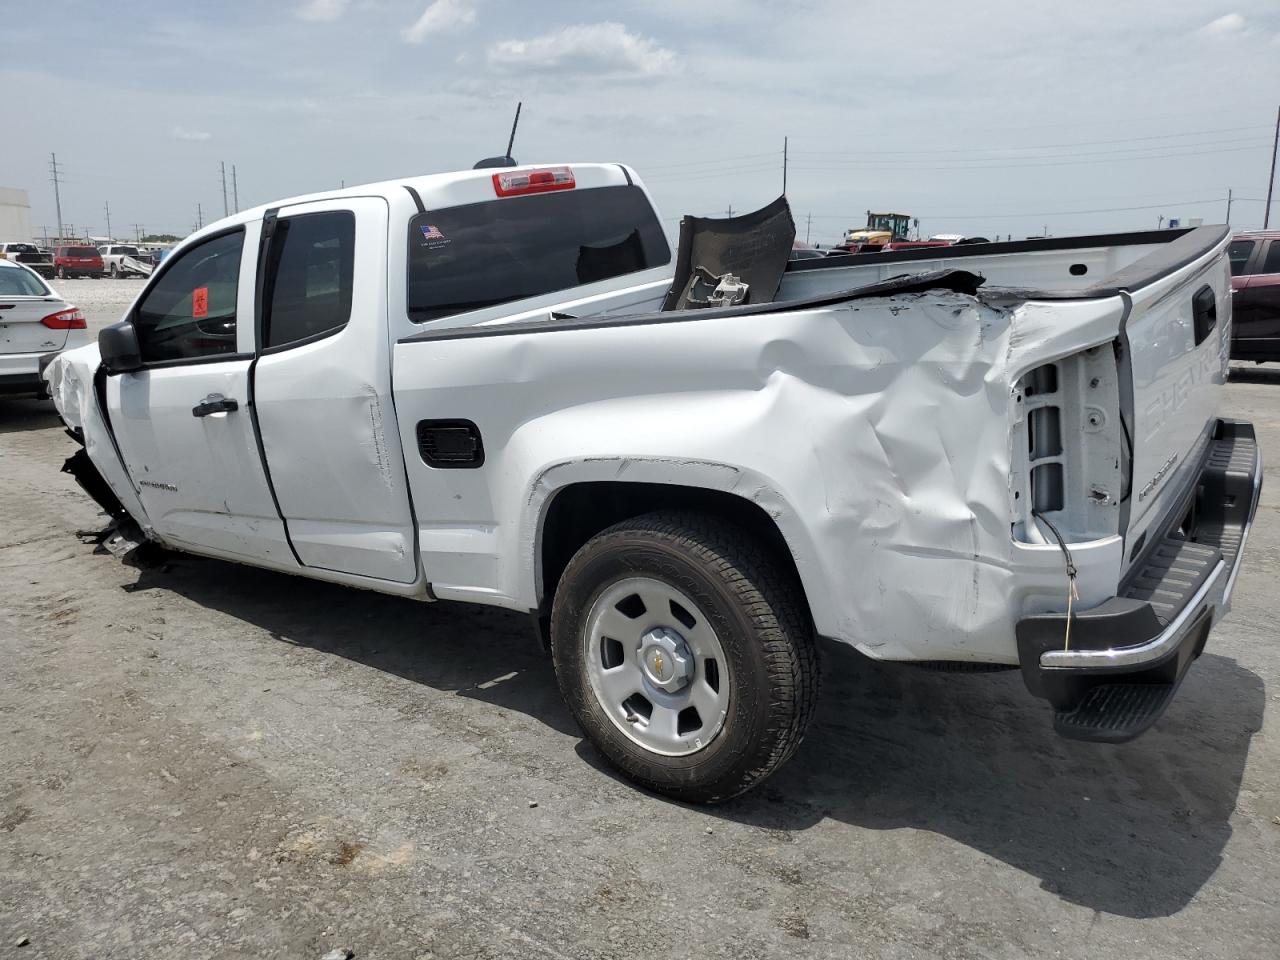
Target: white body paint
(884, 437)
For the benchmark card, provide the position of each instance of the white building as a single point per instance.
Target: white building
(15, 215)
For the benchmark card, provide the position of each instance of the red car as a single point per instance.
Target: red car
(1255, 296)
(77, 262)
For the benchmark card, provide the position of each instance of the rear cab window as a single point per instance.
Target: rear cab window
(498, 251)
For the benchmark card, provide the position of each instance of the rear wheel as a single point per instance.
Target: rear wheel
(62, 274)
(113, 272)
(685, 654)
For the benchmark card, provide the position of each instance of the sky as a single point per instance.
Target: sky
(1005, 117)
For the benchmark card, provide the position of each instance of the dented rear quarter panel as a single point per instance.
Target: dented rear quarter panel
(875, 433)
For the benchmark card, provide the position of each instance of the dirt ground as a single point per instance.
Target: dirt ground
(205, 760)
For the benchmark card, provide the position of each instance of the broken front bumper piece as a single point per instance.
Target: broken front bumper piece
(1128, 655)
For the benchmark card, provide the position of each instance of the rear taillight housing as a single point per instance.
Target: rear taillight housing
(71, 319)
(516, 182)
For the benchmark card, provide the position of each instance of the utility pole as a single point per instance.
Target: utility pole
(1160, 222)
(1271, 182)
(57, 194)
(226, 211)
(199, 217)
(807, 224)
(784, 166)
(235, 189)
(137, 233)
(730, 212)
(1228, 205)
(106, 205)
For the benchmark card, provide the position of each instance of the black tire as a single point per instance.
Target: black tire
(756, 609)
(62, 275)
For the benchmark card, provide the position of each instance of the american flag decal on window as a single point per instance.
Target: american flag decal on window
(431, 232)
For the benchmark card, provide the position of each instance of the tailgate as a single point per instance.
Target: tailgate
(1178, 331)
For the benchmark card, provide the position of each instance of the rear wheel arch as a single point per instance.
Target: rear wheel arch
(578, 511)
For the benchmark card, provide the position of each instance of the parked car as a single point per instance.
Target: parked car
(28, 254)
(125, 260)
(1255, 296)
(800, 250)
(35, 323)
(82, 261)
(490, 386)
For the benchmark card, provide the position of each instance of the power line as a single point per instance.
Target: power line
(737, 158)
(1002, 155)
(1051, 146)
(1047, 213)
(881, 165)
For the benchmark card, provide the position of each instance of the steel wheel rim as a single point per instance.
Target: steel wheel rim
(656, 667)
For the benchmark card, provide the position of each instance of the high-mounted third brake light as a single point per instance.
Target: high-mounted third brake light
(71, 319)
(533, 181)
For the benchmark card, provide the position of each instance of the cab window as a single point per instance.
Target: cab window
(191, 311)
(1239, 253)
(1272, 263)
(310, 276)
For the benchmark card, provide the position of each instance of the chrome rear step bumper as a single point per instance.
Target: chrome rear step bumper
(1128, 655)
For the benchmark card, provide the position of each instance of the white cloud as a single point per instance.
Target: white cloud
(607, 49)
(182, 133)
(1225, 25)
(441, 16)
(322, 10)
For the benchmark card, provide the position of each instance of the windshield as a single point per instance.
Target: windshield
(126, 251)
(19, 282)
(21, 248)
(482, 254)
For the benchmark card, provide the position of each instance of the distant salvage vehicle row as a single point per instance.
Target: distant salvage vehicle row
(500, 387)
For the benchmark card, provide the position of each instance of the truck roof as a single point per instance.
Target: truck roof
(436, 190)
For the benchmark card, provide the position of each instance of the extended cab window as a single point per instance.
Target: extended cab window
(482, 254)
(191, 311)
(311, 270)
(1239, 253)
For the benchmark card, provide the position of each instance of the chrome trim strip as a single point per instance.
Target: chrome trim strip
(1142, 653)
(1253, 512)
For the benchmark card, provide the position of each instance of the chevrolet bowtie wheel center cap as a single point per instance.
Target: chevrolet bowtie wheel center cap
(665, 659)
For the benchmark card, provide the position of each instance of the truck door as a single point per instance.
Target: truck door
(183, 422)
(322, 389)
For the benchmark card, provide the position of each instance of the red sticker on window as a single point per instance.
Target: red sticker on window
(200, 302)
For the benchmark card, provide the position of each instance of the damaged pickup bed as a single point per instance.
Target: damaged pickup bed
(501, 387)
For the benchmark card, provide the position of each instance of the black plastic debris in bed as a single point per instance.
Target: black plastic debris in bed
(753, 249)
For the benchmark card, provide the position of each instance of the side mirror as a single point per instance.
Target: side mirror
(118, 347)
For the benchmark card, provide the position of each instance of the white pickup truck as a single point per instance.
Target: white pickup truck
(121, 261)
(487, 386)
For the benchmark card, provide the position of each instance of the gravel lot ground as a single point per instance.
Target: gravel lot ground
(204, 760)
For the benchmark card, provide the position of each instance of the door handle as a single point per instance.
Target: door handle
(214, 403)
